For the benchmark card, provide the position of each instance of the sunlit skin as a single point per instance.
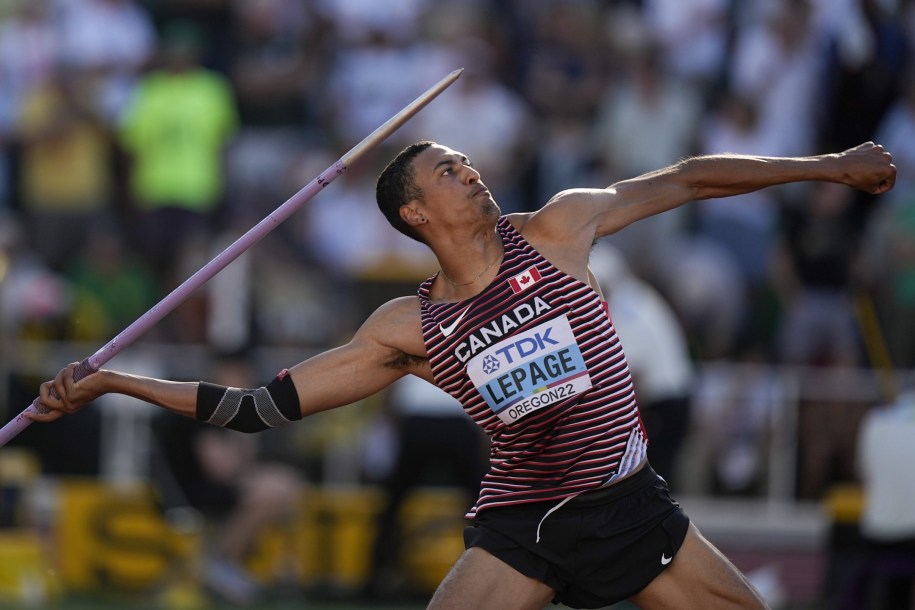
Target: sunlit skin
(456, 217)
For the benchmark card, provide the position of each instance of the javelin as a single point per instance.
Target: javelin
(158, 311)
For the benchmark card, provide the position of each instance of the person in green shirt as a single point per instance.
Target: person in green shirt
(175, 133)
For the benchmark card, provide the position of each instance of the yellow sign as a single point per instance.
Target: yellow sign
(115, 538)
(26, 575)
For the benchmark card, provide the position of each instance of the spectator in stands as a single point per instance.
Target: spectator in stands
(176, 132)
(111, 285)
(693, 35)
(28, 55)
(886, 448)
(278, 66)
(563, 69)
(889, 252)
(865, 67)
(777, 63)
(108, 43)
(368, 83)
(220, 474)
(356, 20)
(33, 298)
(29, 51)
(815, 262)
(66, 169)
(276, 63)
(747, 231)
(647, 118)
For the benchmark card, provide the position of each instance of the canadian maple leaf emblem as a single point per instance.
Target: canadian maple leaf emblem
(525, 280)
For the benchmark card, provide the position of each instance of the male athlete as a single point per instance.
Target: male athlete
(570, 510)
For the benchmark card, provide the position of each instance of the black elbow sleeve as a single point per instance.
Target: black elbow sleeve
(249, 410)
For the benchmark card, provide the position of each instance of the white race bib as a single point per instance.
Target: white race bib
(530, 370)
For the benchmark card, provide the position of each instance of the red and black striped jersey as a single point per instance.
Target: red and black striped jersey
(535, 361)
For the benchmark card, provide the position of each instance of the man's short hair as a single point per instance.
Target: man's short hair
(396, 187)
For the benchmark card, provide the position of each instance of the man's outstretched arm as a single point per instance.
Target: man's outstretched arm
(566, 227)
(386, 347)
(579, 216)
(867, 167)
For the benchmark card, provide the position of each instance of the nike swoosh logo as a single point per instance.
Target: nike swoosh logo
(447, 330)
(665, 559)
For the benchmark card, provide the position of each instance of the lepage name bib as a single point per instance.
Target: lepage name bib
(531, 370)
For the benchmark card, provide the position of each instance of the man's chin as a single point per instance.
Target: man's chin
(491, 209)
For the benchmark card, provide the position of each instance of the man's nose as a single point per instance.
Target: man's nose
(471, 176)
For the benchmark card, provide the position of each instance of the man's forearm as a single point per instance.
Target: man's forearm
(714, 176)
(867, 167)
(245, 410)
(177, 396)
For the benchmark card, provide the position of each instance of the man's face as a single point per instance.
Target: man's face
(452, 190)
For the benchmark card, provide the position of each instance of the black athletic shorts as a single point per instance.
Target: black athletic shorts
(599, 548)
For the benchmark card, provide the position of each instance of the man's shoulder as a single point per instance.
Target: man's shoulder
(554, 217)
(399, 318)
(397, 324)
(518, 220)
(405, 308)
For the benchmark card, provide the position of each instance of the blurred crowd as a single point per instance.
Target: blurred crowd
(138, 138)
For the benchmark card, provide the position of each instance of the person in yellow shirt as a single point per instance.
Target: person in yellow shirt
(66, 174)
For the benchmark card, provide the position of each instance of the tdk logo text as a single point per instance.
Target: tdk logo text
(527, 346)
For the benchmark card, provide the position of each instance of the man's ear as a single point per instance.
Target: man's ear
(411, 214)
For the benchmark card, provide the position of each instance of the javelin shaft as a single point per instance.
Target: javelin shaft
(142, 324)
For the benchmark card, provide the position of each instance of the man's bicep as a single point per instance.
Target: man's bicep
(343, 375)
(580, 216)
(383, 350)
(629, 201)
